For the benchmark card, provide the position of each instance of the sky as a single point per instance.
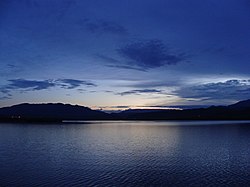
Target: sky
(115, 55)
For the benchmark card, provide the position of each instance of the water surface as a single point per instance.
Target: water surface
(126, 153)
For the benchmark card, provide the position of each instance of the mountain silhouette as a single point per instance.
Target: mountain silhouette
(237, 111)
(59, 112)
(241, 105)
(51, 112)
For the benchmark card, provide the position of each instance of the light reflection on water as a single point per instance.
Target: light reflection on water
(125, 153)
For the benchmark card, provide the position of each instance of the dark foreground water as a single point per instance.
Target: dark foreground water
(125, 154)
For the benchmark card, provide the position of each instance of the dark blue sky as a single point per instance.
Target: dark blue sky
(132, 53)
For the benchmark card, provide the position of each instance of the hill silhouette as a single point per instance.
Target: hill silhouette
(237, 111)
(241, 105)
(50, 112)
(59, 112)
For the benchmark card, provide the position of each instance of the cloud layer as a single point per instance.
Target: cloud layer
(73, 83)
(231, 89)
(149, 54)
(141, 91)
(35, 85)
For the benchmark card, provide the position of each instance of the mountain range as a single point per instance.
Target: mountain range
(59, 112)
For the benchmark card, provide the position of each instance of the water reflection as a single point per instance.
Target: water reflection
(134, 138)
(125, 153)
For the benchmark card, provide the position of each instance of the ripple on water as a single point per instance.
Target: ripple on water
(125, 155)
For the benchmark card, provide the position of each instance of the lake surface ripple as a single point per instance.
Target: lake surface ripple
(126, 153)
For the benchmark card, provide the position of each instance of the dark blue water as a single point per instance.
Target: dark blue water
(125, 154)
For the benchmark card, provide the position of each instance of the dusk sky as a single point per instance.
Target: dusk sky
(119, 54)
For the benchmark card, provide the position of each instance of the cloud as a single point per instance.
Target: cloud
(114, 63)
(30, 84)
(149, 54)
(4, 98)
(102, 27)
(106, 58)
(73, 83)
(24, 85)
(231, 89)
(4, 90)
(9, 69)
(138, 92)
(154, 84)
(176, 106)
(126, 67)
(119, 107)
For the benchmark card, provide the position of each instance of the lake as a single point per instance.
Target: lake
(126, 153)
